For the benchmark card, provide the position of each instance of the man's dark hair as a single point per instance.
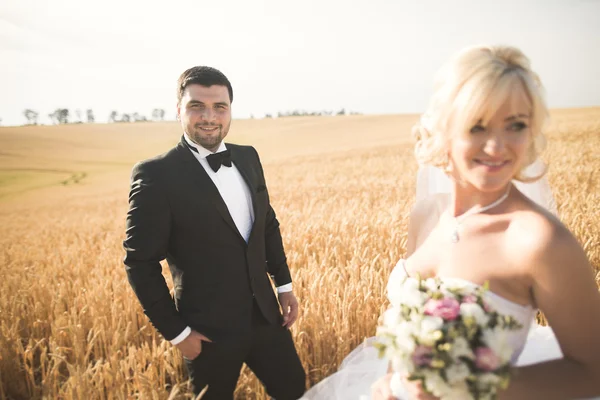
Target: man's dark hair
(204, 76)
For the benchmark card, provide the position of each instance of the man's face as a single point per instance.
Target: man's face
(205, 114)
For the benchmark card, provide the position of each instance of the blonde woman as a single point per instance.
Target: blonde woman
(483, 128)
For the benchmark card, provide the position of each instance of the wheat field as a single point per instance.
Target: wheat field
(70, 325)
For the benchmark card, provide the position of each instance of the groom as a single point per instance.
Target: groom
(204, 207)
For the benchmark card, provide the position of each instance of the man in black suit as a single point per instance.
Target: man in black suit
(204, 207)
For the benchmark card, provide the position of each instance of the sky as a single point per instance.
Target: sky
(371, 56)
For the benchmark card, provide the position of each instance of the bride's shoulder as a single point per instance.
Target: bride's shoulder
(536, 234)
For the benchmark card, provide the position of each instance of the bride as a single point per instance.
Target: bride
(483, 128)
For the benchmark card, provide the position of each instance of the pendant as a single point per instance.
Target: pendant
(455, 237)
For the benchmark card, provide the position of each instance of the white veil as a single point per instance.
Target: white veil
(432, 180)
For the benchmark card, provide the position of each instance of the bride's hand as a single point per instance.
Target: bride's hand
(381, 389)
(415, 390)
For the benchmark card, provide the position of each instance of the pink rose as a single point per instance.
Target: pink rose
(422, 356)
(486, 359)
(447, 308)
(470, 298)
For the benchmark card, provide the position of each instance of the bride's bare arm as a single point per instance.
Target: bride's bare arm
(565, 290)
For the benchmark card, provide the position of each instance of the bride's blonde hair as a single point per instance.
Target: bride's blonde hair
(472, 87)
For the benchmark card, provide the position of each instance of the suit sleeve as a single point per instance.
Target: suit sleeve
(146, 242)
(276, 260)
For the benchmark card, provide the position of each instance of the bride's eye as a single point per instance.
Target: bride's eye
(518, 126)
(477, 129)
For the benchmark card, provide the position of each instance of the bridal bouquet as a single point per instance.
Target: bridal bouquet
(448, 336)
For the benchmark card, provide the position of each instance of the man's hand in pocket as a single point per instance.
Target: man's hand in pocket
(191, 346)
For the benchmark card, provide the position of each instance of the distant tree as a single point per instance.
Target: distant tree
(125, 118)
(158, 114)
(31, 116)
(90, 116)
(63, 116)
(137, 117)
(113, 116)
(341, 112)
(60, 116)
(304, 113)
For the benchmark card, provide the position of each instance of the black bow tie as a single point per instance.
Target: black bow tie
(217, 159)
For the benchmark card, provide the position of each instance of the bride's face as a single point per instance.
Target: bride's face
(488, 155)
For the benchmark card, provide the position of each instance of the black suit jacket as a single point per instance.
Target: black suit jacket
(176, 213)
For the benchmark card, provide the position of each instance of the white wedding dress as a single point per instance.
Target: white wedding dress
(362, 367)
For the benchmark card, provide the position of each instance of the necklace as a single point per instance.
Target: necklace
(458, 220)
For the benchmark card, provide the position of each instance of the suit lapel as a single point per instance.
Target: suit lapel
(200, 178)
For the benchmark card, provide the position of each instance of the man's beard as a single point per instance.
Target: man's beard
(211, 142)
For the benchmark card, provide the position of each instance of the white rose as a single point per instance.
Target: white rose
(436, 385)
(391, 317)
(410, 294)
(384, 338)
(497, 340)
(430, 284)
(461, 348)
(415, 318)
(405, 291)
(428, 330)
(431, 324)
(457, 373)
(475, 311)
(404, 337)
(395, 283)
(459, 391)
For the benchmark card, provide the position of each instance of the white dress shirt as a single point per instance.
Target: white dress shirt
(236, 195)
